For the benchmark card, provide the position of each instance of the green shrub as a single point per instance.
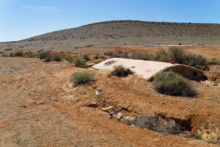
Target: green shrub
(57, 58)
(96, 56)
(109, 53)
(161, 56)
(196, 61)
(70, 59)
(172, 84)
(118, 54)
(176, 55)
(19, 53)
(214, 61)
(79, 78)
(48, 58)
(121, 71)
(141, 55)
(86, 57)
(102, 57)
(80, 63)
(44, 55)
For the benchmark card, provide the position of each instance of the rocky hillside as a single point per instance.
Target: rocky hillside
(117, 33)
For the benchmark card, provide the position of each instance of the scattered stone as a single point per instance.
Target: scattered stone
(99, 88)
(129, 120)
(132, 125)
(107, 108)
(97, 93)
(119, 115)
(215, 84)
(52, 99)
(162, 103)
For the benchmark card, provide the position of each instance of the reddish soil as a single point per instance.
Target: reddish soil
(41, 107)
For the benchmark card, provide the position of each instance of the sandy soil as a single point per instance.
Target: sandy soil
(40, 107)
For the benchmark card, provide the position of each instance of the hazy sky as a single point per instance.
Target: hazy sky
(21, 19)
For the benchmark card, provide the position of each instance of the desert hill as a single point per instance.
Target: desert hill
(118, 33)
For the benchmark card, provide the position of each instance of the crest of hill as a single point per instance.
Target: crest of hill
(116, 33)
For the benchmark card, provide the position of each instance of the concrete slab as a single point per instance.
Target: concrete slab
(142, 68)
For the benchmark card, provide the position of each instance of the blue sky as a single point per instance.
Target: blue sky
(21, 19)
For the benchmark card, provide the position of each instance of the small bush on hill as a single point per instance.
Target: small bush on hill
(79, 78)
(19, 53)
(121, 71)
(172, 84)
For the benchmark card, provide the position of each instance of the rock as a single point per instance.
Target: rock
(52, 99)
(215, 84)
(162, 103)
(97, 93)
(132, 125)
(129, 120)
(107, 108)
(119, 115)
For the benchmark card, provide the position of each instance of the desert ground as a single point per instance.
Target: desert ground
(41, 107)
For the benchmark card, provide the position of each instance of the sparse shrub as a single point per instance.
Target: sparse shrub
(102, 57)
(12, 55)
(57, 58)
(44, 55)
(176, 55)
(161, 56)
(172, 84)
(118, 54)
(19, 53)
(109, 53)
(79, 78)
(48, 58)
(96, 56)
(198, 136)
(141, 56)
(196, 61)
(30, 54)
(214, 61)
(70, 59)
(80, 63)
(121, 71)
(86, 57)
